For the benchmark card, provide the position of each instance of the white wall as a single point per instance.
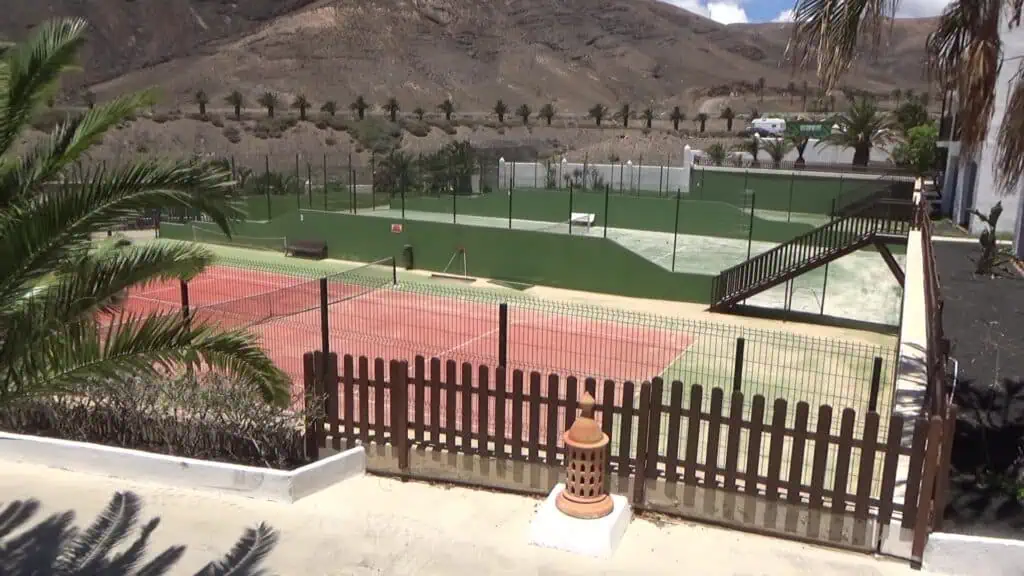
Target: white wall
(620, 176)
(986, 191)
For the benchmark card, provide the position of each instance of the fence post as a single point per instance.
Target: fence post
(298, 194)
(876, 382)
(309, 184)
(510, 208)
(394, 272)
(400, 413)
(403, 202)
(325, 182)
(454, 208)
(737, 371)
(266, 183)
(643, 429)
(309, 378)
(824, 289)
(570, 211)
(789, 214)
(502, 334)
(607, 192)
(675, 231)
(750, 233)
(325, 340)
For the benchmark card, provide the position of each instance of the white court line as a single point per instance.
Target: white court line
(470, 341)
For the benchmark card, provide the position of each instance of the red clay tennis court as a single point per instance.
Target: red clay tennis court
(393, 323)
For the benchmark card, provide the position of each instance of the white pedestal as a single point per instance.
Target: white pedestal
(598, 538)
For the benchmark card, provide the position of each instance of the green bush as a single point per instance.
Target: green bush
(376, 134)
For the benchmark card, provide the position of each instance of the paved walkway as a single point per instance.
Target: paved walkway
(373, 526)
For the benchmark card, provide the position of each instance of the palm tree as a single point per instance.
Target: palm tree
(447, 108)
(359, 106)
(547, 112)
(236, 101)
(53, 282)
(702, 118)
(897, 95)
(728, 115)
(598, 112)
(676, 117)
(301, 104)
(54, 546)
(716, 153)
(90, 99)
(862, 128)
(791, 90)
(761, 83)
(623, 115)
(805, 91)
(330, 107)
(648, 116)
(201, 100)
(419, 112)
(799, 142)
(500, 109)
(524, 113)
(751, 146)
(392, 108)
(777, 148)
(269, 101)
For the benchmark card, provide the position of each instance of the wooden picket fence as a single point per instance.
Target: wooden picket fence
(738, 461)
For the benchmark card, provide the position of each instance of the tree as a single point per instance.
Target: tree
(910, 115)
(920, 150)
(500, 109)
(89, 97)
(236, 101)
(392, 108)
(897, 95)
(791, 90)
(716, 153)
(54, 282)
(419, 112)
(269, 101)
(547, 112)
(359, 106)
(799, 143)
(623, 115)
(648, 116)
(301, 104)
(330, 108)
(447, 108)
(805, 91)
(994, 261)
(702, 117)
(728, 115)
(862, 128)
(777, 148)
(751, 146)
(761, 83)
(57, 548)
(201, 100)
(598, 112)
(524, 113)
(676, 116)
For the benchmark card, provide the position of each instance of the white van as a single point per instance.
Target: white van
(772, 125)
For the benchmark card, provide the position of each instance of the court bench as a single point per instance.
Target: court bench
(315, 249)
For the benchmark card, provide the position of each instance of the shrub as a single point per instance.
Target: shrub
(338, 123)
(376, 134)
(331, 141)
(418, 129)
(46, 120)
(217, 120)
(214, 420)
(232, 134)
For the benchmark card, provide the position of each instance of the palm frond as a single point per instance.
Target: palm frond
(1010, 159)
(15, 515)
(135, 346)
(125, 562)
(31, 69)
(246, 555)
(88, 549)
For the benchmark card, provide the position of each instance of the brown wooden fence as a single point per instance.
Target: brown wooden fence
(671, 452)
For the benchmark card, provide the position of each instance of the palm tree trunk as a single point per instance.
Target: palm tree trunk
(861, 155)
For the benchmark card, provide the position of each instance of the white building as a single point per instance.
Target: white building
(971, 183)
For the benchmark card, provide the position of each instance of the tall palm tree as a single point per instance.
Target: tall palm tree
(524, 112)
(301, 103)
(716, 153)
(54, 546)
(268, 100)
(676, 116)
(777, 148)
(623, 115)
(90, 99)
(330, 107)
(761, 83)
(201, 100)
(791, 90)
(728, 115)
(547, 112)
(751, 146)
(598, 112)
(236, 101)
(799, 142)
(54, 282)
(648, 116)
(392, 108)
(862, 128)
(447, 108)
(419, 112)
(965, 52)
(359, 106)
(805, 92)
(500, 109)
(702, 118)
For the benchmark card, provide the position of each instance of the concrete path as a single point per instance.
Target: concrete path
(373, 526)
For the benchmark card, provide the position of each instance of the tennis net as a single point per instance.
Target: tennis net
(361, 281)
(209, 236)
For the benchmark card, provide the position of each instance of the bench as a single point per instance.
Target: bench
(582, 218)
(315, 249)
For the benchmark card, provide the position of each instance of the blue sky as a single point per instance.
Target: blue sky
(733, 11)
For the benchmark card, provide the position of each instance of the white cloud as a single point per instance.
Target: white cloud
(721, 11)
(784, 16)
(920, 8)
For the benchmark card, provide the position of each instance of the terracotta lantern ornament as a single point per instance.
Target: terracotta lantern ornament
(586, 450)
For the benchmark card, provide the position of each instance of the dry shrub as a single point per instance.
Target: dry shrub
(232, 134)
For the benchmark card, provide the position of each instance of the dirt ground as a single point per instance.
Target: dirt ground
(373, 526)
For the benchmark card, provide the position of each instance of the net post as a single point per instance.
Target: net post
(737, 372)
(325, 341)
(675, 231)
(394, 272)
(502, 335)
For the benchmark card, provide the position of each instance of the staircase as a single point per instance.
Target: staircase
(877, 219)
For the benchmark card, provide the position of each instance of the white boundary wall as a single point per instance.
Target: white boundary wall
(259, 483)
(968, 555)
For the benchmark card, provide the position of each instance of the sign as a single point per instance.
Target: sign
(396, 228)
